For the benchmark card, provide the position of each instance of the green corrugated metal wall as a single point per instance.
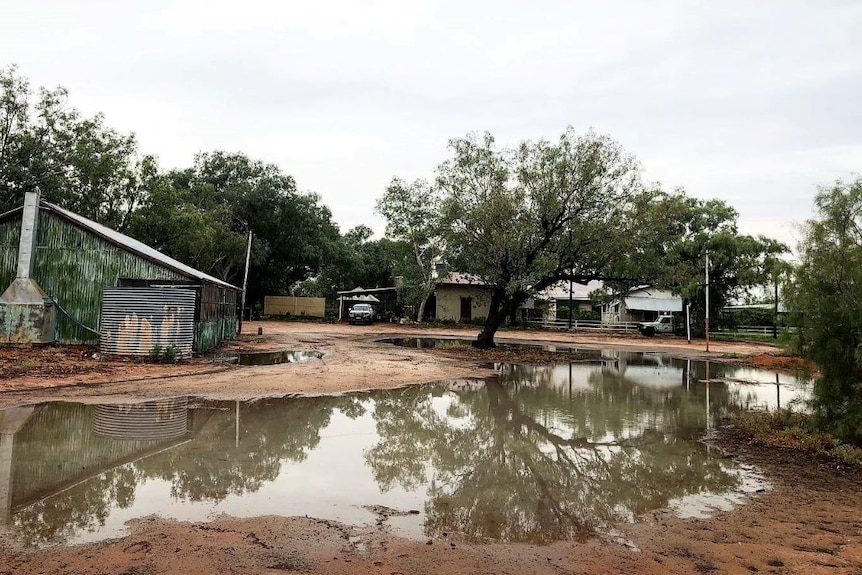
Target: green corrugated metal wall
(74, 266)
(9, 236)
(208, 334)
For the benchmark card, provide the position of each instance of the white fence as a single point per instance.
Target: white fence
(583, 324)
(758, 329)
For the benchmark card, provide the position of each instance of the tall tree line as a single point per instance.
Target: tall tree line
(200, 215)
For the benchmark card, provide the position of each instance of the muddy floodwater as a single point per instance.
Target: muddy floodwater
(535, 454)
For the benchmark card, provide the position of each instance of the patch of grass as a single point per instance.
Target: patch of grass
(848, 454)
(791, 430)
(24, 367)
(167, 354)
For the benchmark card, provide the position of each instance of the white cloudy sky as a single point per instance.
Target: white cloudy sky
(754, 102)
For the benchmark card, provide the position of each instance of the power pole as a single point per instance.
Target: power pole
(775, 313)
(570, 283)
(245, 281)
(706, 322)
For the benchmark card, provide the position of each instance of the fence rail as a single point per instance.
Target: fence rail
(758, 329)
(583, 324)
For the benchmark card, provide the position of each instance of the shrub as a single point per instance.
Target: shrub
(167, 354)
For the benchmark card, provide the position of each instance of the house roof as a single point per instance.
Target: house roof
(459, 278)
(129, 244)
(648, 298)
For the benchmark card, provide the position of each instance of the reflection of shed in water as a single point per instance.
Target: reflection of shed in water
(60, 445)
(11, 422)
(153, 420)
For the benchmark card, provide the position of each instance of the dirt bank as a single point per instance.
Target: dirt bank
(351, 361)
(810, 521)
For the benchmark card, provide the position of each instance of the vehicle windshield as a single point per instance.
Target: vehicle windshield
(362, 307)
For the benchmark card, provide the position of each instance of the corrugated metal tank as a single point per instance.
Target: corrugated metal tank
(139, 320)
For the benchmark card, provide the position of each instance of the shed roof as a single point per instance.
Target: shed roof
(654, 304)
(129, 244)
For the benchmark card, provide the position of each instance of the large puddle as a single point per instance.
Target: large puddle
(537, 454)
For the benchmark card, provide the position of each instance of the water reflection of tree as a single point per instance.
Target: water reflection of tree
(216, 465)
(53, 449)
(528, 460)
(212, 466)
(84, 507)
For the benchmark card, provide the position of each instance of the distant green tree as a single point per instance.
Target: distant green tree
(523, 219)
(357, 260)
(76, 162)
(412, 212)
(677, 232)
(202, 216)
(826, 304)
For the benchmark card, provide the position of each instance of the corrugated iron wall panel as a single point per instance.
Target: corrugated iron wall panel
(209, 334)
(75, 266)
(137, 320)
(9, 233)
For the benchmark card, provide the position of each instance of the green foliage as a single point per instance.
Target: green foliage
(848, 454)
(356, 261)
(754, 316)
(74, 161)
(202, 216)
(523, 219)
(826, 305)
(166, 354)
(199, 215)
(412, 212)
(676, 234)
(577, 313)
(793, 430)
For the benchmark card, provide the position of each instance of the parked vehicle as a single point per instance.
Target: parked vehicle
(361, 313)
(664, 324)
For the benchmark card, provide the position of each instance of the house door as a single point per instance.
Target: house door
(466, 308)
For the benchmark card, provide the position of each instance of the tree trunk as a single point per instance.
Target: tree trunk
(500, 308)
(485, 339)
(420, 315)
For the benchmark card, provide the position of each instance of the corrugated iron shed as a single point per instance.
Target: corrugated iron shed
(76, 258)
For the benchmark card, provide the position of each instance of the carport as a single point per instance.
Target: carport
(382, 299)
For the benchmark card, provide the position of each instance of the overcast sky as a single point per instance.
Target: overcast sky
(753, 102)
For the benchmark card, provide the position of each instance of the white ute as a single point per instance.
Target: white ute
(664, 324)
